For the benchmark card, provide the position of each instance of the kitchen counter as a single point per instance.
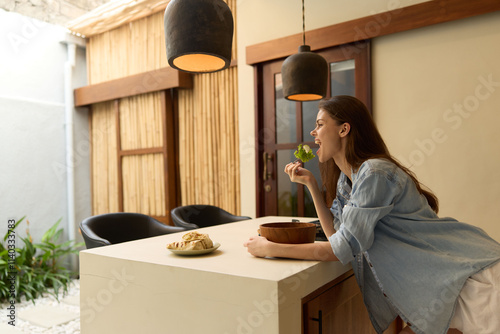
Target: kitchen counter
(141, 287)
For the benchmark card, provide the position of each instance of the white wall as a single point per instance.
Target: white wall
(418, 76)
(32, 127)
(437, 103)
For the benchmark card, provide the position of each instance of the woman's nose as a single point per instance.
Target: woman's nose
(313, 133)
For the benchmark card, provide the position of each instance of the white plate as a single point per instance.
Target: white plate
(195, 252)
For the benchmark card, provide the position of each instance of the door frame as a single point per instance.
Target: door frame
(359, 51)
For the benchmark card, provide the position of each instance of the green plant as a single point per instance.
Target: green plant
(35, 268)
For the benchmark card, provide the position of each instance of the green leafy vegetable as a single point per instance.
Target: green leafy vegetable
(304, 153)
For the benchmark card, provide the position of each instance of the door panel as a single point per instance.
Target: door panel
(341, 309)
(287, 191)
(285, 112)
(283, 125)
(342, 80)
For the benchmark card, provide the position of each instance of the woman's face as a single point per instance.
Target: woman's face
(327, 135)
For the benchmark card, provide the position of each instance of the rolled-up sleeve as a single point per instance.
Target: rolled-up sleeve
(336, 212)
(372, 198)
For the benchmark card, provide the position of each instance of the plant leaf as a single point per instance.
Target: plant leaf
(8, 230)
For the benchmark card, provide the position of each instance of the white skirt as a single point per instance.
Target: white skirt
(478, 306)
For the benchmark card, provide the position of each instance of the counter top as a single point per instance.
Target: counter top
(231, 258)
(227, 281)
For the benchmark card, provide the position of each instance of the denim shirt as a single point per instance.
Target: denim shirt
(407, 261)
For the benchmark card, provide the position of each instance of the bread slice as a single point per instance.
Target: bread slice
(186, 245)
(196, 236)
(192, 241)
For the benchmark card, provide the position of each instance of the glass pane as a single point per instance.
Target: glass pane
(342, 78)
(309, 112)
(287, 190)
(286, 127)
(313, 166)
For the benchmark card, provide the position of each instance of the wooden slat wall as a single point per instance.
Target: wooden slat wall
(143, 177)
(143, 184)
(208, 138)
(104, 163)
(208, 128)
(133, 48)
(141, 122)
(208, 141)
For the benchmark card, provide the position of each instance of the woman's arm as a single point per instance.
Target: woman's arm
(303, 176)
(324, 214)
(319, 251)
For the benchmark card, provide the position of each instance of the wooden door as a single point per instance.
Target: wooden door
(340, 309)
(282, 125)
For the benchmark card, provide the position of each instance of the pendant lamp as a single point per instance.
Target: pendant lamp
(198, 35)
(304, 74)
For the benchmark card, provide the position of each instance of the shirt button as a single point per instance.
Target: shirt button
(370, 264)
(385, 295)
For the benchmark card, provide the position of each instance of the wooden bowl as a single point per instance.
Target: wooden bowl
(289, 233)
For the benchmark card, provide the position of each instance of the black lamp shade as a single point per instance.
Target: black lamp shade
(304, 75)
(198, 35)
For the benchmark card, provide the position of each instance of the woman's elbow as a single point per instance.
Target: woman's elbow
(325, 252)
(331, 257)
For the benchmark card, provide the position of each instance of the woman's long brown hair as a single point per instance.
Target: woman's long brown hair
(363, 142)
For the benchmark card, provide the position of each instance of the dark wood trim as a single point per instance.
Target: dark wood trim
(363, 72)
(327, 286)
(267, 139)
(258, 98)
(119, 156)
(174, 98)
(169, 154)
(147, 82)
(164, 219)
(164, 151)
(390, 22)
(141, 83)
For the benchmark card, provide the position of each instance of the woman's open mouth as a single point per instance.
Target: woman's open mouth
(319, 144)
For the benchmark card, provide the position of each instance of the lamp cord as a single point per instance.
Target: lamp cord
(303, 24)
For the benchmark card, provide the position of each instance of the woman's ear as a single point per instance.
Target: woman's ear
(344, 130)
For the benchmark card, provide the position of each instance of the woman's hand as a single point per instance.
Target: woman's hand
(305, 177)
(318, 251)
(298, 174)
(257, 246)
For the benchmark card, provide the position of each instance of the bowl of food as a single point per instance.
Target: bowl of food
(289, 233)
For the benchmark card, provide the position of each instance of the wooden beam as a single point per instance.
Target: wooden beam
(141, 151)
(147, 82)
(393, 21)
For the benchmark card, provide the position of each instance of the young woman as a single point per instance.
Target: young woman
(435, 273)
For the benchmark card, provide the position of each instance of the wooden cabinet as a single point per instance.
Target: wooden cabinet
(338, 308)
